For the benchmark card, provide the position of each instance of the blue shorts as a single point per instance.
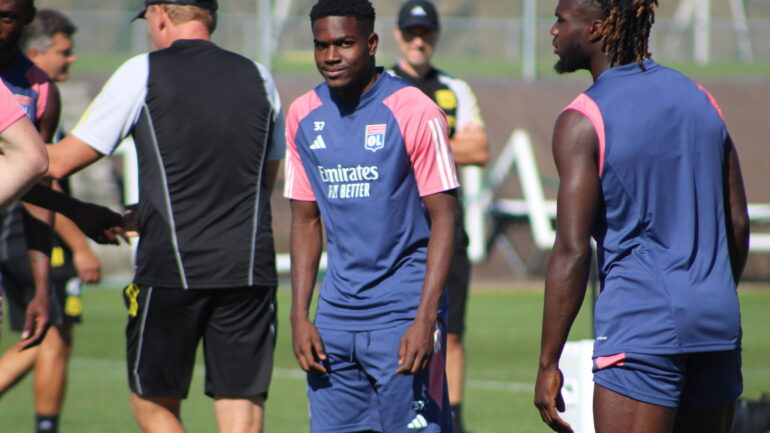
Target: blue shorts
(689, 381)
(362, 390)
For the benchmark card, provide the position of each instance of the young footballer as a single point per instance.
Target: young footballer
(369, 159)
(649, 171)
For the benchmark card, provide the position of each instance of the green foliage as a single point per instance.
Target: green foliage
(502, 346)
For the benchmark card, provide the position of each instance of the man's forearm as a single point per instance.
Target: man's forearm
(565, 288)
(69, 233)
(41, 271)
(736, 213)
(39, 237)
(442, 209)
(48, 198)
(305, 251)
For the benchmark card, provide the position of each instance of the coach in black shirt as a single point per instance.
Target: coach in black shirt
(209, 136)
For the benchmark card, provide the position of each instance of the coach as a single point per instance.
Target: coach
(209, 135)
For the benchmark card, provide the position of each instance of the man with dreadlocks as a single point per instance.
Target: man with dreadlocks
(368, 155)
(648, 169)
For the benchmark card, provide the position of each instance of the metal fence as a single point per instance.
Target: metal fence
(111, 34)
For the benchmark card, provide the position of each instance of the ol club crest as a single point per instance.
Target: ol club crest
(374, 139)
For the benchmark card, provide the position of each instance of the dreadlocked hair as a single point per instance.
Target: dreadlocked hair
(627, 25)
(361, 10)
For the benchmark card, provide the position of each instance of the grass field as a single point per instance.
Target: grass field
(502, 342)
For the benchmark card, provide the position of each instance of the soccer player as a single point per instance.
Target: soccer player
(369, 158)
(417, 33)
(648, 169)
(25, 244)
(47, 41)
(209, 135)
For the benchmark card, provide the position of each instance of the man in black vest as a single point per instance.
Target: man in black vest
(209, 135)
(417, 33)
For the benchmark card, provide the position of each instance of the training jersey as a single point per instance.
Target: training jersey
(452, 94)
(205, 121)
(10, 110)
(667, 282)
(367, 166)
(30, 87)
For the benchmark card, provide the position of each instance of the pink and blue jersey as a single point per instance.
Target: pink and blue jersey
(667, 283)
(367, 166)
(30, 85)
(10, 110)
(30, 88)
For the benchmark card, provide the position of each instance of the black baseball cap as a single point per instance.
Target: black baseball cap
(205, 4)
(418, 13)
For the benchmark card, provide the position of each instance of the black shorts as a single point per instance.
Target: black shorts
(19, 286)
(165, 326)
(457, 285)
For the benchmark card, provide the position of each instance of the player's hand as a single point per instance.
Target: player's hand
(416, 348)
(99, 223)
(36, 321)
(131, 219)
(548, 399)
(87, 265)
(308, 347)
(472, 131)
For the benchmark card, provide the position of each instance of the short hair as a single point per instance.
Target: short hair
(361, 10)
(40, 32)
(180, 14)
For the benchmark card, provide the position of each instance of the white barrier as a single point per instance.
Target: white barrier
(578, 390)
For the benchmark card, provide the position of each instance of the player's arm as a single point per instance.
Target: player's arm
(575, 153)
(416, 346)
(86, 263)
(736, 212)
(69, 155)
(38, 232)
(305, 249)
(23, 160)
(97, 222)
(39, 236)
(271, 174)
(470, 144)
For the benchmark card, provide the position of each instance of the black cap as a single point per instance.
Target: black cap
(205, 4)
(418, 13)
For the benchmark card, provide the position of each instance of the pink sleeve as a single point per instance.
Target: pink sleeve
(42, 85)
(587, 107)
(424, 128)
(297, 185)
(712, 100)
(10, 110)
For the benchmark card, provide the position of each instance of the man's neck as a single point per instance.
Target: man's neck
(7, 57)
(599, 64)
(416, 71)
(352, 94)
(190, 30)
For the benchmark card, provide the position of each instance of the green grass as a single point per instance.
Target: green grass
(502, 345)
